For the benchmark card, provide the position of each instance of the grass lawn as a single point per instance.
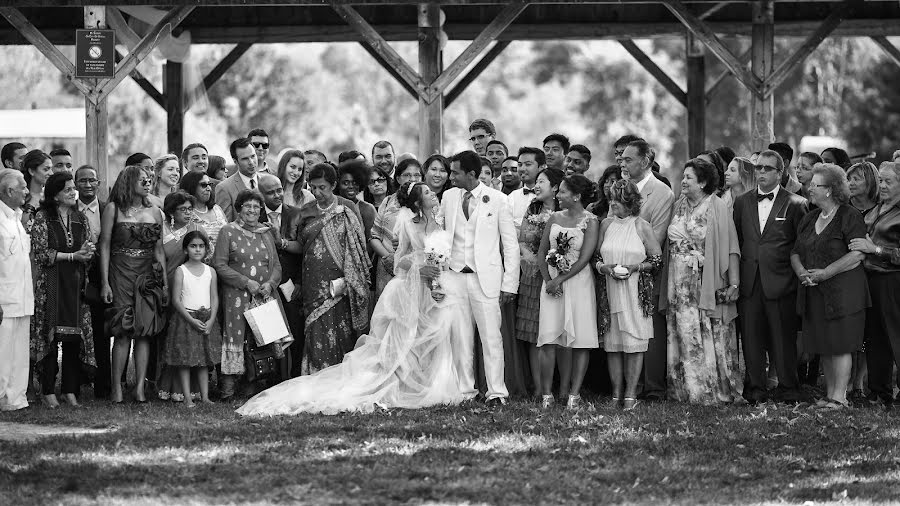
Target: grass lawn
(661, 453)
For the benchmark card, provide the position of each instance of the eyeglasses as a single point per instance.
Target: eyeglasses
(264, 145)
(184, 209)
(479, 137)
(765, 168)
(378, 180)
(251, 207)
(204, 185)
(145, 181)
(89, 181)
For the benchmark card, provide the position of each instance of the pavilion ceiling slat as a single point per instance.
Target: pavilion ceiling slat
(326, 3)
(892, 51)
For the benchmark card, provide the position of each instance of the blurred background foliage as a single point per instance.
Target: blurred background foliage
(334, 97)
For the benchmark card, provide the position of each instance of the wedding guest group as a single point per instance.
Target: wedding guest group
(759, 278)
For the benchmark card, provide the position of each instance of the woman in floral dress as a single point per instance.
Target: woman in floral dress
(704, 362)
(530, 234)
(246, 262)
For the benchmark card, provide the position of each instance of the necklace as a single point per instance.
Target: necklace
(67, 227)
(824, 216)
(326, 208)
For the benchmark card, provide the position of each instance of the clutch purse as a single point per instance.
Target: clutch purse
(722, 296)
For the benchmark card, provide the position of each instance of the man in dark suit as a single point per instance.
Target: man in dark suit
(286, 220)
(88, 186)
(766, 219)
(244, 156)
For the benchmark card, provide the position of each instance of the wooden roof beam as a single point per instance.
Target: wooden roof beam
(144, 83)
(37, 39)
(323, 3)
(386, 53)
(654, 70)
(809, 45)
(481, 42)
(389, 69)
(217, 72)
(891, 50)
(147, 44)
(475, 71)
(704, 34)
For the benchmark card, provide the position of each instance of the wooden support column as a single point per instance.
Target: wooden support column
(430, 67)
(173, 88)
(96, 136)
(696, 96)
(762, 110)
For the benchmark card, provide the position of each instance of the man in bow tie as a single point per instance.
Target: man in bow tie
(531, 162)
(766, 220)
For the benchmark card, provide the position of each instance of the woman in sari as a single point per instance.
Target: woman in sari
(247, 264)
(335, 272)
(61, 249)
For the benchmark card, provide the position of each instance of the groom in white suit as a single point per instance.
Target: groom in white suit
(480, 279)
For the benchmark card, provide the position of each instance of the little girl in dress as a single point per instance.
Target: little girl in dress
(194, 341)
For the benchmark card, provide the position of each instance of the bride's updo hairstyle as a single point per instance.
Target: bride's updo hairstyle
(582, 187)
(410, 196)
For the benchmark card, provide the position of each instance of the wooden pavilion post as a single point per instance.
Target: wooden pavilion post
(696, 95)
(173, 89)
(430, 67)
(96, 115)
(762, 108)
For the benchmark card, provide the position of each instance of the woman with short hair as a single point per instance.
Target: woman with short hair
(247, 264)
(379, 187)
(833, 295)
(61, 248)
(862, 179)
(704, 364)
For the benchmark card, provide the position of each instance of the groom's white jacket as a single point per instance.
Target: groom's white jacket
(494, 228)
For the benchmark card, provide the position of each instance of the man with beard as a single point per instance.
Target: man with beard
(481, 132)
(555, 148)
(285, 221)
(509, 175)
(383, 157)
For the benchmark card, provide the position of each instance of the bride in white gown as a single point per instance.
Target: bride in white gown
(406, 361)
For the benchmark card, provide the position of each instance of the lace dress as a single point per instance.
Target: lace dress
(404, 362)
(570, 320)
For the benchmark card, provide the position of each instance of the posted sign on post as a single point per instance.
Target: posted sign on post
(95, 53)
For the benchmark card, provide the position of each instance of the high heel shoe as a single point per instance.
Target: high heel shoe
(574, 402)
(630, 403)
(615, 402)
(547, 401)
(50, 401)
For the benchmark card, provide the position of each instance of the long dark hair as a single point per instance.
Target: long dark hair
(446, 163)
(55, 184)
(122, 191)
(32, 160)
(410, 195)
(601, 207)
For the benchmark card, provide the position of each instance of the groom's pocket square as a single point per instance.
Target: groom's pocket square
(490, 214)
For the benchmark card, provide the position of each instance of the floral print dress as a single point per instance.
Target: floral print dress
(704, 362)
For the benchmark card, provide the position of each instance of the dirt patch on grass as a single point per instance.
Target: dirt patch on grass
(29, 432)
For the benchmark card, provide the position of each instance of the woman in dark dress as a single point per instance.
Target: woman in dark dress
(132, 275)
(833, 294)
(60, 242)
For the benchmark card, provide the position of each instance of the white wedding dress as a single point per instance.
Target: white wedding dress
(405, 362)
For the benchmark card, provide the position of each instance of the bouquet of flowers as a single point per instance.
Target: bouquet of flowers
(558, 257)
(539, 221)
(437, 252)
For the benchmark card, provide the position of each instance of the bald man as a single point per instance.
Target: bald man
(285, 221)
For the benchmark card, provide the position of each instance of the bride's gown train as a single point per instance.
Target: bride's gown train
(405, 361)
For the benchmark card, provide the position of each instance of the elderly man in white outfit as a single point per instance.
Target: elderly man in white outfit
(16, 292)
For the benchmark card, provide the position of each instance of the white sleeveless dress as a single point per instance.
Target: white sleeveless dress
(629, 330)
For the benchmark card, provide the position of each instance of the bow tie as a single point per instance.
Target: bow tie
(526, 191)
(763, 196)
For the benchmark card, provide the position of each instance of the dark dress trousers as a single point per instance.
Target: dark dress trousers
(290, 269)
(768, 293)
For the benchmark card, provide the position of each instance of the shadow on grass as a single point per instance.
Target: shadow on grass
(663, 453)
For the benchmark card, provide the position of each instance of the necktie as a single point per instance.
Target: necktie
(275, 218)
(526, 191)
(763, 196)
(252, 184)
(465, 204)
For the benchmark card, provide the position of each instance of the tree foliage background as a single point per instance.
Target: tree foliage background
(334, 97)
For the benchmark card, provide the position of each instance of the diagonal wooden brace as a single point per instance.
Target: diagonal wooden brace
(809, 45)
(37, 39)
(217, 72)
(387, 53)
(888, 48)
(654, 70)
(481, 42)
(147, 44)
(704, 34)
